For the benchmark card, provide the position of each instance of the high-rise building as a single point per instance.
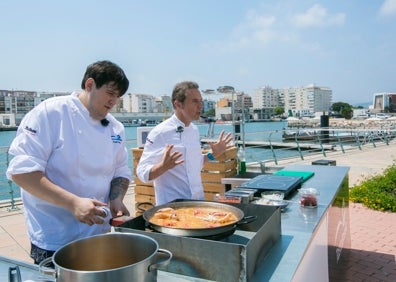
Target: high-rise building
(266, 97)
(384, 102)
(307, 99)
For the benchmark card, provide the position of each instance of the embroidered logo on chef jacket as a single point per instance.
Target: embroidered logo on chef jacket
(116, 138)
(30, 130)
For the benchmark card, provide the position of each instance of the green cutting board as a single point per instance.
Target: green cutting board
(304, 174)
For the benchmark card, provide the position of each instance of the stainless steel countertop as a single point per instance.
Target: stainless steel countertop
(283, 259)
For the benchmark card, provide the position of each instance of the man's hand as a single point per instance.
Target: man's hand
(222, 144)
(118, 208)
(88, 211)
(169, 160)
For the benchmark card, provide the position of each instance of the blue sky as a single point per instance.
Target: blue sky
(347, 45)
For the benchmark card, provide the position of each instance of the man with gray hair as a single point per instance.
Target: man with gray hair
(172, 157)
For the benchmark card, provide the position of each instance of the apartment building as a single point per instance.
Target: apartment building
(20, 102)
(138, 103)
(307, 99)
(265, 100)
(266, 97)
(300, 101)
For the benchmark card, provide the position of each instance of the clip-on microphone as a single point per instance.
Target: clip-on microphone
(105, 122)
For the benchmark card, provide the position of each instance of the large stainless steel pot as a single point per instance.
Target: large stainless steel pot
(108, 257)
(198, 232)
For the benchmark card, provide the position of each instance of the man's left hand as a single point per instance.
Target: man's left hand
(222, 144)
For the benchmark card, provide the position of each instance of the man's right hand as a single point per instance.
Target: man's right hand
(169, 160)
(88, 211)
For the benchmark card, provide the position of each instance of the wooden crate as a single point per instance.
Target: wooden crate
(144, 192)
(212, 172)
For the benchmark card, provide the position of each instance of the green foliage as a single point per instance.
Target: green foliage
(344, 109)
(279, 111)
(378, 192)
(338, 106)
(210, 113)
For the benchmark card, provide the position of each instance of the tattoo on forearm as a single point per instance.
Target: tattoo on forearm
(118, 186)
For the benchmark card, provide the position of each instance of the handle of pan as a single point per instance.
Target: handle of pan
(247, 219)
(161, 262)
(140, 208)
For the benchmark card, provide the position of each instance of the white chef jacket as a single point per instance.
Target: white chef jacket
(184, 180)
(75, 152)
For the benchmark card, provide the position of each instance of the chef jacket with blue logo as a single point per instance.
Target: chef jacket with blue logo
(75, 152)
(184, 180)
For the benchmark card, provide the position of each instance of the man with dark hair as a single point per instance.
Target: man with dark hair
(71, 162)
(172, 156)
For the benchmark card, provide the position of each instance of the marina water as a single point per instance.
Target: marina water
(260, 131)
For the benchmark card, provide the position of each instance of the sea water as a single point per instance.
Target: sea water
(261, 131)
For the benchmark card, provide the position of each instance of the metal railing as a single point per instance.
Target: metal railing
(262, 148)
(299, 143)
(8, 190)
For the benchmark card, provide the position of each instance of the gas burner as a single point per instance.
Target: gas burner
(200, 257)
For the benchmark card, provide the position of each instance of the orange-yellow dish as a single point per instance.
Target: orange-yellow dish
(193, 218)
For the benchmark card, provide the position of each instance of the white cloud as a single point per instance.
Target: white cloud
(388, 8)
(257, 21)
(261, 29)
(255, 28)
(317, 16)
(258, 30)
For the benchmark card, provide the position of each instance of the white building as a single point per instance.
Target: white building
(266, 97)
(138, 103)
(307, 99)
(7, 120)
(20, 102)
(384, 102)
(163, 104)
(289, 99)
(361, 113)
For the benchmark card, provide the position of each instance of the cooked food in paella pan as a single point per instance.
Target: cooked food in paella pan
(193, 217)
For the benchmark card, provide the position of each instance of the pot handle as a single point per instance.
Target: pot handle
(139, 206)
(47, 270)
(247, 219)
(164, 262)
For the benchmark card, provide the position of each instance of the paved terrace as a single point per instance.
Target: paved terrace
(373, 233)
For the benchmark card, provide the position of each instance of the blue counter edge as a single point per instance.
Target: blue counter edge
(285, 256)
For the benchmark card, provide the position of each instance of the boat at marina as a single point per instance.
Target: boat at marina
(321, 135)
(299, 135)
(336, 135)
(130, 124)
